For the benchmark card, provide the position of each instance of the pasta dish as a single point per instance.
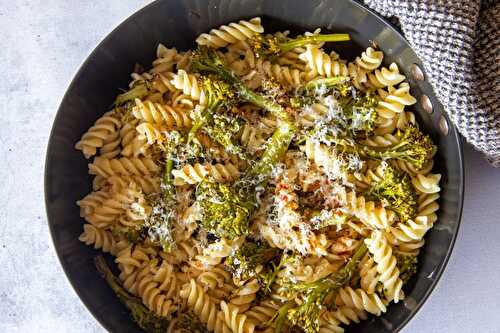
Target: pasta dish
(260, 183)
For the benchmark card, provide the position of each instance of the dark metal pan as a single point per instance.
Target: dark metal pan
(177, 23)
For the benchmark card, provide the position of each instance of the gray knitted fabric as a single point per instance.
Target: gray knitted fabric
(459, 44)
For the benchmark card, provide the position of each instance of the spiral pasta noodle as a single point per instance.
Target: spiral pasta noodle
(394, 101)
(360, 300)
(101, 239)
(132, 144)
(386, 265)
(245, 295)
(368, 274)
(286, 76)
(163, 115)
(96, 135)
(319, 63)
(237, 322)
(123, 166)
(230, 34)
(331, 320)
(201, 304)
(192, 174)
(384, 77)
(372, 215)
(427, 184)
(188, 84)
(370, 59)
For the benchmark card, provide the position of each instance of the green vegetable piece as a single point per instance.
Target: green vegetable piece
(325, 83)
(218, 95)
(276, 148)
(159, 222)
(139, 91)
(306, 315)
(272, 46)
(396, 191)
(407, 265)
(249, 257)
(208, 62)
(189, 323)
(268, 277)
(225, 214)
(413, 147)
(146, 319)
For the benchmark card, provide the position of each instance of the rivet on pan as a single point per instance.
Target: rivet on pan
(417, 72)
(443, 125)
(426, 103)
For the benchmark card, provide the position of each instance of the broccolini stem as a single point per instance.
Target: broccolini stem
(301, 41)
(279, 318)
(275, 149)
(353, 263)
(212, 64)
(328, 82)
(263, 102)
(197, 125)
(146, 319)
(167, 176)
(113, 282)
(138, 91)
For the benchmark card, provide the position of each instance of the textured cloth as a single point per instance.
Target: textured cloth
(459, 44)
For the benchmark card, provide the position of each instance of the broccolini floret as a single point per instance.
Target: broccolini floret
(407, 265)
(395, 190)
(147, 320)
(273, 45)
(189, 323)
(314, 294)
(359, 112)
(249, 258)
(413, 147)
(218, 95)
(224, 212)
(314, 90)
(224, 128)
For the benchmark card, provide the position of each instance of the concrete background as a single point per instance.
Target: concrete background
(42, 45)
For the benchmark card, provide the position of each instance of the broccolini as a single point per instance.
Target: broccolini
(306, 315)
(272, 45)
(218, 95)
(225, 213)
(395, 190)
(206, 61)
(407, 265)
(146, 319)
(250, 257)
(413, 147)
(139, 91)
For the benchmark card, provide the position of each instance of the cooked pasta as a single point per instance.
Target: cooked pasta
(232, 33)
(96, 135)
(188, 84)
(320, 63)
(192, 174)
(232, 181)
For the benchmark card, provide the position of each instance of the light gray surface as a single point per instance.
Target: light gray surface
(43, 43)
